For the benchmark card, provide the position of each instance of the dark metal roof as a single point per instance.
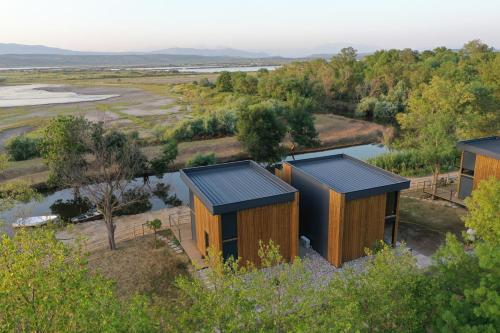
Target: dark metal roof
(230, 187)
(489, 146)
(345, 174)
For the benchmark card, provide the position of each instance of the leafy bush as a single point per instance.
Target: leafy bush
(409, 163)
(213, 125)
(23, 148)
(167, 157)
(224, 82)
(385, 110)
(365, 107)
(70, 208)
(201, 160)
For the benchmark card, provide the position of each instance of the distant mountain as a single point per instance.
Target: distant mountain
(222, 52)
(129, 60)
(219, 52)
(33, 49)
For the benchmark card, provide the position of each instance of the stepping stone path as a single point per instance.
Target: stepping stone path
(173, 244)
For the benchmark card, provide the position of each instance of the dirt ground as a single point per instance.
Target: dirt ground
(138, 267)
(424, 224)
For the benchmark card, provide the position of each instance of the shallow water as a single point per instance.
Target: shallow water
(177, 186)
(34, 94)
(207, 69)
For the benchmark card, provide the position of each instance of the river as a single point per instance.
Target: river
(177, 186)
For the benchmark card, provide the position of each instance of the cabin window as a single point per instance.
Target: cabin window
(391, 203)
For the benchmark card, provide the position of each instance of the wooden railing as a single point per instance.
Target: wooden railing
(446, 188)
(175, 218)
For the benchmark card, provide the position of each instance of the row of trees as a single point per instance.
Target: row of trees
(46, 288)
(436, 97)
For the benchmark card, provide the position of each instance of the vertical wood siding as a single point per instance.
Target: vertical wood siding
(286, 173)
(485, 168)
(336, 228)
(363, 225)
(206, 222)
(271, 222)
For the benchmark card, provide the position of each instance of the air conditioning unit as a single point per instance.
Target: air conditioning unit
(305, 242)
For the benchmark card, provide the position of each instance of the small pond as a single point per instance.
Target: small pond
(177, 186)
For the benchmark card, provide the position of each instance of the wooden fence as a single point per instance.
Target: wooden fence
(132, 232)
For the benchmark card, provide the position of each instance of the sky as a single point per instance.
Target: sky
(273, 26)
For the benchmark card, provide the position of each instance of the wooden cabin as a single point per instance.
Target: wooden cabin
(480, 160)
(346, 205)
(235, 205)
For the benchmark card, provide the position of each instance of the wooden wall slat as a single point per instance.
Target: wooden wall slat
(363, 225)
(485, 168)
(286, 173)
(335, 228)
(206, 222)
(265, 223)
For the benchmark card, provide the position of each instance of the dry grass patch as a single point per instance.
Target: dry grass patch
(137, 267)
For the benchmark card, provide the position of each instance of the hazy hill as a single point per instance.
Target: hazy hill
(10, 48)
(132, 60)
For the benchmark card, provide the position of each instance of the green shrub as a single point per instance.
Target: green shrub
(409, 163)
(202, 160)
(213, 125)
(23, 148)
(365, 107)
(385, 110)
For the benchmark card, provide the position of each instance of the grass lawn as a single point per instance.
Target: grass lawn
(424, 224)
(137, 267)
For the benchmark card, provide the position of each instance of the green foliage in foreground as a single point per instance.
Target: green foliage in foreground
(484, 210)
(201, 159)
(23, 148)
(45, 287)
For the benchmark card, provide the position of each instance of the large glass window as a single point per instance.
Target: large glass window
(391, 203)
(390, 217)
(229, 226)
(390, 223)
(230, 248)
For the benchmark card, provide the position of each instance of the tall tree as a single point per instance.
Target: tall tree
(432, 123)
(300, 121)
(102, 164)
(63, 149)
(224, 82)
(260, 131)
